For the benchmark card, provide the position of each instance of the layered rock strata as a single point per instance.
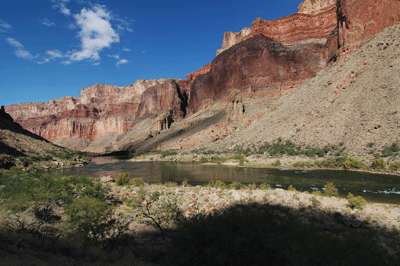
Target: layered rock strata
(101, 110)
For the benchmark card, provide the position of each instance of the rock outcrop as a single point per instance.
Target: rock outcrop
(360, 19)
(284, 50)
(101, 110)
(315, 6)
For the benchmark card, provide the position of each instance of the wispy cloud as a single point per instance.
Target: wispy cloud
(20, 50)
(96, 33)
(124, 24)
(47, 22)
(61, 5)
(4, 26)
(126, 49)
(122, 61)
(116, 56)
(51, 55)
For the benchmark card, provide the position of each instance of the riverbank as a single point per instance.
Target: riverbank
(297, 162)
(332, 215)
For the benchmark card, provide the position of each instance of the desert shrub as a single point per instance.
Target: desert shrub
(315, 202)
(352, 163)
(156, 211)
(277, 163)
(185, 183)
(168, 153)
(356, 202)
(292, 188)
(217, 184)
(391, 150)
(395, 166)
(137, 182)
(264, 186)
(331, 190)
(238, 157)
(204, 160)
(92, 222)
(266, 235)
(237, 185)
(317, 193)
(378, 164)
(123, 179)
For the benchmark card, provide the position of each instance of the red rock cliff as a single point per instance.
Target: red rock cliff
(100, 111)
(283, 50)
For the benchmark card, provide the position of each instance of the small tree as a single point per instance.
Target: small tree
(331, 190)
(356, 202)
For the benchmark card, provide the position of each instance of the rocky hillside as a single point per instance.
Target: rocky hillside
(302, 78)
(19, 147)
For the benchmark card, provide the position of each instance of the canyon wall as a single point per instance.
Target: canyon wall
(360, 19)
(101, 110)
(272, 57)
(284, 50)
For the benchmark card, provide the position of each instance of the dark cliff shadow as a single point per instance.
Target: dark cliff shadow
(5, 149)
(16, 128)
(190, 130)
(263, 234)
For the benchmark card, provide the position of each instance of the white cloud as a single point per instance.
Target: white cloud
(4, 26)
(122, 61)
(124, 24)
(96, 33)
(51, 55)
(20, 49)
(116, 56)
(61, 4)
(126, 49)
(47, 22)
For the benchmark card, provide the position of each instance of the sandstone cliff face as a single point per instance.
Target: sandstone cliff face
(101, 110)
(315, 6)
(284, 50)
(233, 38)
(359, 19)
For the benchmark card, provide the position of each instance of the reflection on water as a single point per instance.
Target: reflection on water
(379, 188)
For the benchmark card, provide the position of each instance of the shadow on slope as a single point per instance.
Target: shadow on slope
(181, 131)
(263, 234)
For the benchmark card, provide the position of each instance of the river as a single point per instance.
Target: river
(374, 187)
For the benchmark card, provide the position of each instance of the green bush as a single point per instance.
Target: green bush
(315, 202)
(395, 166)
(331, 190)
(378, 164)
(391, 150)
(137, 182)
(92, 222)
(236, 185)
(292, 188)
(217, 184)
(277, 163)
(123, 179)
(352, 163)
(356, 202)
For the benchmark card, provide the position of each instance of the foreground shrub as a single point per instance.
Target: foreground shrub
(92, 222)
(137, 182)
(123, 179)
(356, 202)
(267, 235)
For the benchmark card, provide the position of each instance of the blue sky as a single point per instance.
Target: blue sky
(55, 48)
